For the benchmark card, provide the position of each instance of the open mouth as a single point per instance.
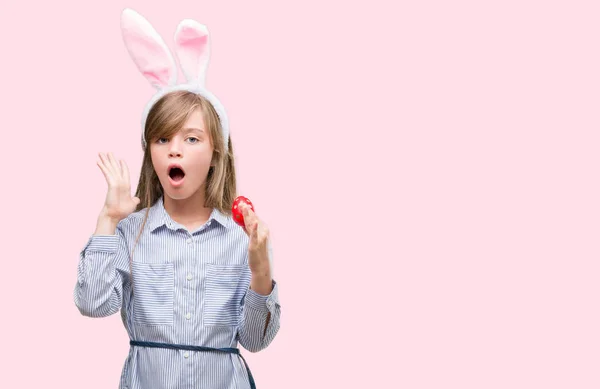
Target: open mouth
(176, 173)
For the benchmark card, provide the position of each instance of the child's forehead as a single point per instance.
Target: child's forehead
(193, 123)
(194, 119)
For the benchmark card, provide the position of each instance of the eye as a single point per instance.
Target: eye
(193, 140)
(162, 140)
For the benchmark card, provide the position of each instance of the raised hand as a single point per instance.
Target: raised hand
(119, 203)
(258, 255)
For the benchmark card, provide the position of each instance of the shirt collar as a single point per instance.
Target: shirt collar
(158, 217)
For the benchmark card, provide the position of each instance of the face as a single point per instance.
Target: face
(182, 162)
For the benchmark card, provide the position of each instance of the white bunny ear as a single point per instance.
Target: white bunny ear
(192, 47)
(148, 50)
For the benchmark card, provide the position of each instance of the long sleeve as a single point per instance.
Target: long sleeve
(102, 271)
(259, 320)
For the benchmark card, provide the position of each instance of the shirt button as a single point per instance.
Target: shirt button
(189, 276)
(188, 316)
(189, 241)
(186, 354)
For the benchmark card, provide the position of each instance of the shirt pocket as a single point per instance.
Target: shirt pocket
(222, 294)
(153, 293)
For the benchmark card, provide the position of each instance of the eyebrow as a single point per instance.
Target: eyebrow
(190, 129)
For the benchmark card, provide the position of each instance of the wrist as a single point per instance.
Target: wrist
(105, 224)
(261, 269)
(261, 284)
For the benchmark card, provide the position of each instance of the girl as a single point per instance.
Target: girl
(190, 283)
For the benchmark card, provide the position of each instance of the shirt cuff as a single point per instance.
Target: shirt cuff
(108, 243)
(260, 302)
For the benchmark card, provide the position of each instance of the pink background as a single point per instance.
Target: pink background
(429, 173)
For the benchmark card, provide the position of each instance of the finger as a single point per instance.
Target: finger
(105, 172)
(263, 230)
(120, 163)
(255, 229)
(246, 225)
(103, 159)
(249, 216)
(247, 210)
(249, 219)
(245, 228)
(262, 234)
(255, 232)
(252, 232)
(125, 171)
(107, 165)
(114, 165)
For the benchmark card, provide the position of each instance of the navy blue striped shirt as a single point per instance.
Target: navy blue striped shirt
(190, 287)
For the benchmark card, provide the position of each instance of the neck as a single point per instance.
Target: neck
(188, 210)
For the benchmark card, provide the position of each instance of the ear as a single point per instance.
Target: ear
(192, 47)
(147, 50)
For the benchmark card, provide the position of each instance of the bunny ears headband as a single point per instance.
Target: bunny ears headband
(154, 60)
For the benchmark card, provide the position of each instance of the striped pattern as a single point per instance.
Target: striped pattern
(191, 287)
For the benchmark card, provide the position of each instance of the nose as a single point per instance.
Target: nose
(175, 149)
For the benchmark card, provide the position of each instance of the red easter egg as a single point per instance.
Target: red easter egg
(238, 217)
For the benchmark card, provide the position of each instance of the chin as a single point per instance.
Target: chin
(177, 195)
(182, 193)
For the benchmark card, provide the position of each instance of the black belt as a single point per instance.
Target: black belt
(197, 348)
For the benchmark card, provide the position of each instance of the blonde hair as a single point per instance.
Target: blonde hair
(168, 116)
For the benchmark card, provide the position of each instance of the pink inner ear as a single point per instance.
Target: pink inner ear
(147, 50)
(191, 45)
(150, 60)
